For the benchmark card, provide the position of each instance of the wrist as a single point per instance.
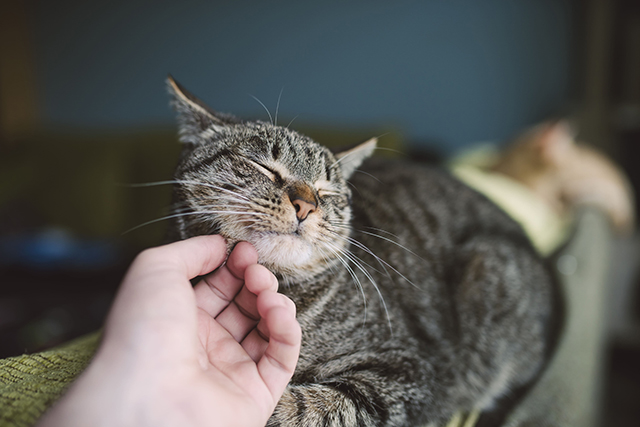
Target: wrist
(114, 390)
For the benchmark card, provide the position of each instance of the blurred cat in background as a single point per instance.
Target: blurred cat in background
(565, 174)
(542, 177)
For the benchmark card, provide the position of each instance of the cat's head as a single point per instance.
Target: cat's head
(265, 184)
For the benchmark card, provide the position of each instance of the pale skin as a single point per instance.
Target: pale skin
(217, 354)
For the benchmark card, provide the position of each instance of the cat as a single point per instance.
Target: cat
(547, 159)
(418, 297)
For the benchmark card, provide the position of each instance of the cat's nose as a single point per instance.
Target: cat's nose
(303, 200)
(303, 208)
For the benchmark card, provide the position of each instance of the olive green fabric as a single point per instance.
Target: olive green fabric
(30, 383)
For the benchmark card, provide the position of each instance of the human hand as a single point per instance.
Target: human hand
(220, 353)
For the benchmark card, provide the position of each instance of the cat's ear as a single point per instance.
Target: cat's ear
(194, 116)
(350, 159)
(555, 141)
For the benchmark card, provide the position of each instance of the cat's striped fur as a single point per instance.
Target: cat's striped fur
(417, 297)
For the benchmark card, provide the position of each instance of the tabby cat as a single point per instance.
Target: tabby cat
(417, 297)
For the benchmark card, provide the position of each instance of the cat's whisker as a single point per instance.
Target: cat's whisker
(367, 250)
(235, 213)
(354, 277)
(178, 215)
(337, 235)
(164, 218)
(346, 156)
(153, 183)
(383, 231)
(232, 185)
(278, 106)
(354, 187)
(329, 262)
(355, 280)
(203, 208)
(392, 242)
(389, 149)
(292, 121)
(382, 262)
(369, 175)
(347, 226)
(355, 260)
(239, 204)
(190, 182)
(222, 189)
(250, 221)
(265, 108)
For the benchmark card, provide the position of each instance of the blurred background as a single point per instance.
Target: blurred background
(84, 113)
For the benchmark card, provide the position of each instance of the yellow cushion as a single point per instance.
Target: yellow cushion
(545, 228)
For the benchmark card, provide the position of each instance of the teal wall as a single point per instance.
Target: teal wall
(446, 72)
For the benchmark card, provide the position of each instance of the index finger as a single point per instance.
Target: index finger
(193, 257)
(216, 291)
(162, 274)
(157, 289)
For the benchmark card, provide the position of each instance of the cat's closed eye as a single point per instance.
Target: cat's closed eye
(270, 173)
(324, 193)
(327, 192)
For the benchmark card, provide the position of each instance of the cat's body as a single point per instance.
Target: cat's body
(470, 328)
(430, 301)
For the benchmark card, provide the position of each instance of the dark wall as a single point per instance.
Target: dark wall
(450, 71)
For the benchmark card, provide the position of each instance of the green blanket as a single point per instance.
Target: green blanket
(30, 383)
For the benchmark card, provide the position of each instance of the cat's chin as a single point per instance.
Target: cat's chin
(288, 255)
(283, 249)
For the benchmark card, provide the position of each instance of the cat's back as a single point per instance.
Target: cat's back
(470, 276)
(425, 205)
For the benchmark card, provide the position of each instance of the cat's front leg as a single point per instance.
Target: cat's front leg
(322, 405)
(363, 398)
